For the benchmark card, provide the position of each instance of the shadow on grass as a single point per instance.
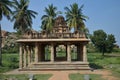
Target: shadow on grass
(95, 66)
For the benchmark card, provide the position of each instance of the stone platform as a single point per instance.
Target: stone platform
(58, 66)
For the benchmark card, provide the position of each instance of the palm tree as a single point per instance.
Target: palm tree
(48, 19)
(86, 32)
(22, 16)
(75, 17)
(4, 11)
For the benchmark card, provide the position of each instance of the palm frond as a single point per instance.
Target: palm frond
(22, 15)
(75, 16)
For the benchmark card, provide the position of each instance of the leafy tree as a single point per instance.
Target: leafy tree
(75, 17)
(4, 11)
(102, 41)
(49, 18)
(99, 40)
(110, 42)
(22, 15)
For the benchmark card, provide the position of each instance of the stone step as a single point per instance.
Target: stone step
(65, 68)
(54, 66)
(60, 66)
(59, 63)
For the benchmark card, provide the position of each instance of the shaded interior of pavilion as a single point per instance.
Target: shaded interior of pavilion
(60, 52)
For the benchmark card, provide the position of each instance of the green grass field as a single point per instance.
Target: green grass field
(25, 77)
(78, 76)
(109, 61)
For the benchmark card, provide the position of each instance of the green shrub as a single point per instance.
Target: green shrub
(10, 61)
(13, 63)
(116, 50)
(10, 49)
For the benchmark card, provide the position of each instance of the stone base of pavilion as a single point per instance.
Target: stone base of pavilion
(57, 66)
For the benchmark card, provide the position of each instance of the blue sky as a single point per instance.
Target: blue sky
(103, 14)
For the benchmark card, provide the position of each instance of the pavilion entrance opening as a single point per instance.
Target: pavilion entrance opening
(60, 53)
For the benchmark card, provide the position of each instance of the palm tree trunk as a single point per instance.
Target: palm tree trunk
(0, 46)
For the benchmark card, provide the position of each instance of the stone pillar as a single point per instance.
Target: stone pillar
(32, 54)
(36, 59)
(20, 55)
(84, 53)
(29, 54)
(68, 53)
(52, 52)
(25, 58)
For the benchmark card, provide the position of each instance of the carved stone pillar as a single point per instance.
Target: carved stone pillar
(68, 53)
(52, 52)
(32, 54)
(21, 55)
(36, 53)
(84, 53)
(29, 54)
(25, 56)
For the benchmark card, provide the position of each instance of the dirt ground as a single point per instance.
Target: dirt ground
(63, 74)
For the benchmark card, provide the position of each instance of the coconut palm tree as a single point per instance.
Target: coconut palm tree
(49, 17)
(4, 11)
(22, 15)
(86, 32)
(75, 17)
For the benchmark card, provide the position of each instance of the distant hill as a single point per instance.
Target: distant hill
(8, 38)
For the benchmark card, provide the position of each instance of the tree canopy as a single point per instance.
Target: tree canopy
(5, 8)
(49, 18)
(75, 17)
(102, 41)
(22, 15)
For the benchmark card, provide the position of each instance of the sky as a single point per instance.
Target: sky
(103, 14)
